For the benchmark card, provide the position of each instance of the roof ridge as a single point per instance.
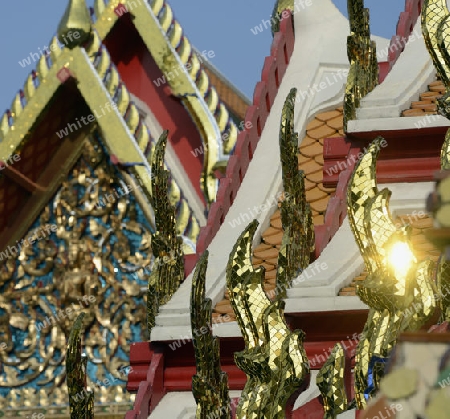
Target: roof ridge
(208, 111)
(210, 66)
(13, 130)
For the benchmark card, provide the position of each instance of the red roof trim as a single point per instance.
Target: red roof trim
(264, 95)
(405, 26)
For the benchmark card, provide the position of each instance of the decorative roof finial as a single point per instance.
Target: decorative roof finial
(280, 6)
(362, 54)
(75, 26)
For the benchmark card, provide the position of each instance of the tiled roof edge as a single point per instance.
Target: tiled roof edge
(264, 95)
(405, 27)
(211, 67)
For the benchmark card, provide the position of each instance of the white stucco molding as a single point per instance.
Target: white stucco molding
(378, 125)
(409, 77)
(180, 405)
(319, 56)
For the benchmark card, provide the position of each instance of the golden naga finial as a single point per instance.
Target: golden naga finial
(398, 289)
(210, 384)
(361, 50)
(278, 9)
(75, 26)
(99, 7)
(445, 152)
(274, 358)
(298, 240)
(440, 214)
(330, 381)
(436, 33)
(81, 401)
(434, 12)
(168, 268)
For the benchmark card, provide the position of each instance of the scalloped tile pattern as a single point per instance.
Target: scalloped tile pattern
(427, 103)
(310, 160)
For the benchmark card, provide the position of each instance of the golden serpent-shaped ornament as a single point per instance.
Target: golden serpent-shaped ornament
(400, 297)
(80, 399)
(210, 383)
(274, 359)
(299, 240)
(168, 271)
(330, 381)
(361, 50)
(436, 33)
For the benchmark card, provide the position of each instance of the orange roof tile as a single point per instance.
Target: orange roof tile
(268, 267)
(307, 141)
(316, 177)
(303, 159)
(271, 274)
(310, 159)
(270, 232)
(318, 219)
(310, 167)
(309, 185)
(317, 195)
(273, 261)
(315, 123)
(320, 205)
(275, 239)
(276, 223)
(269, 253)
(326, 116)
(319, 159)
(321, 132)
(336, 123)
(427, 103)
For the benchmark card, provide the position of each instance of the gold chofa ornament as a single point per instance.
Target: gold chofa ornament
(399, 290)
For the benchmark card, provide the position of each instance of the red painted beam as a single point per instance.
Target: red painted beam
(179, 360)
(410, 155)
(405, 26)
(145, 80)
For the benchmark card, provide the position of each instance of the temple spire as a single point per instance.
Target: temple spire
(75, 26)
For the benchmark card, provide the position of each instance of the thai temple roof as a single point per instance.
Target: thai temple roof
(182, 206)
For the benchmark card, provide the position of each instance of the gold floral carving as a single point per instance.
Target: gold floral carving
(93, 261)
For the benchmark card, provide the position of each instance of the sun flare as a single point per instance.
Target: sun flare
(400, 257)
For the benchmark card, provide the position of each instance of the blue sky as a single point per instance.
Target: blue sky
(222, 27)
